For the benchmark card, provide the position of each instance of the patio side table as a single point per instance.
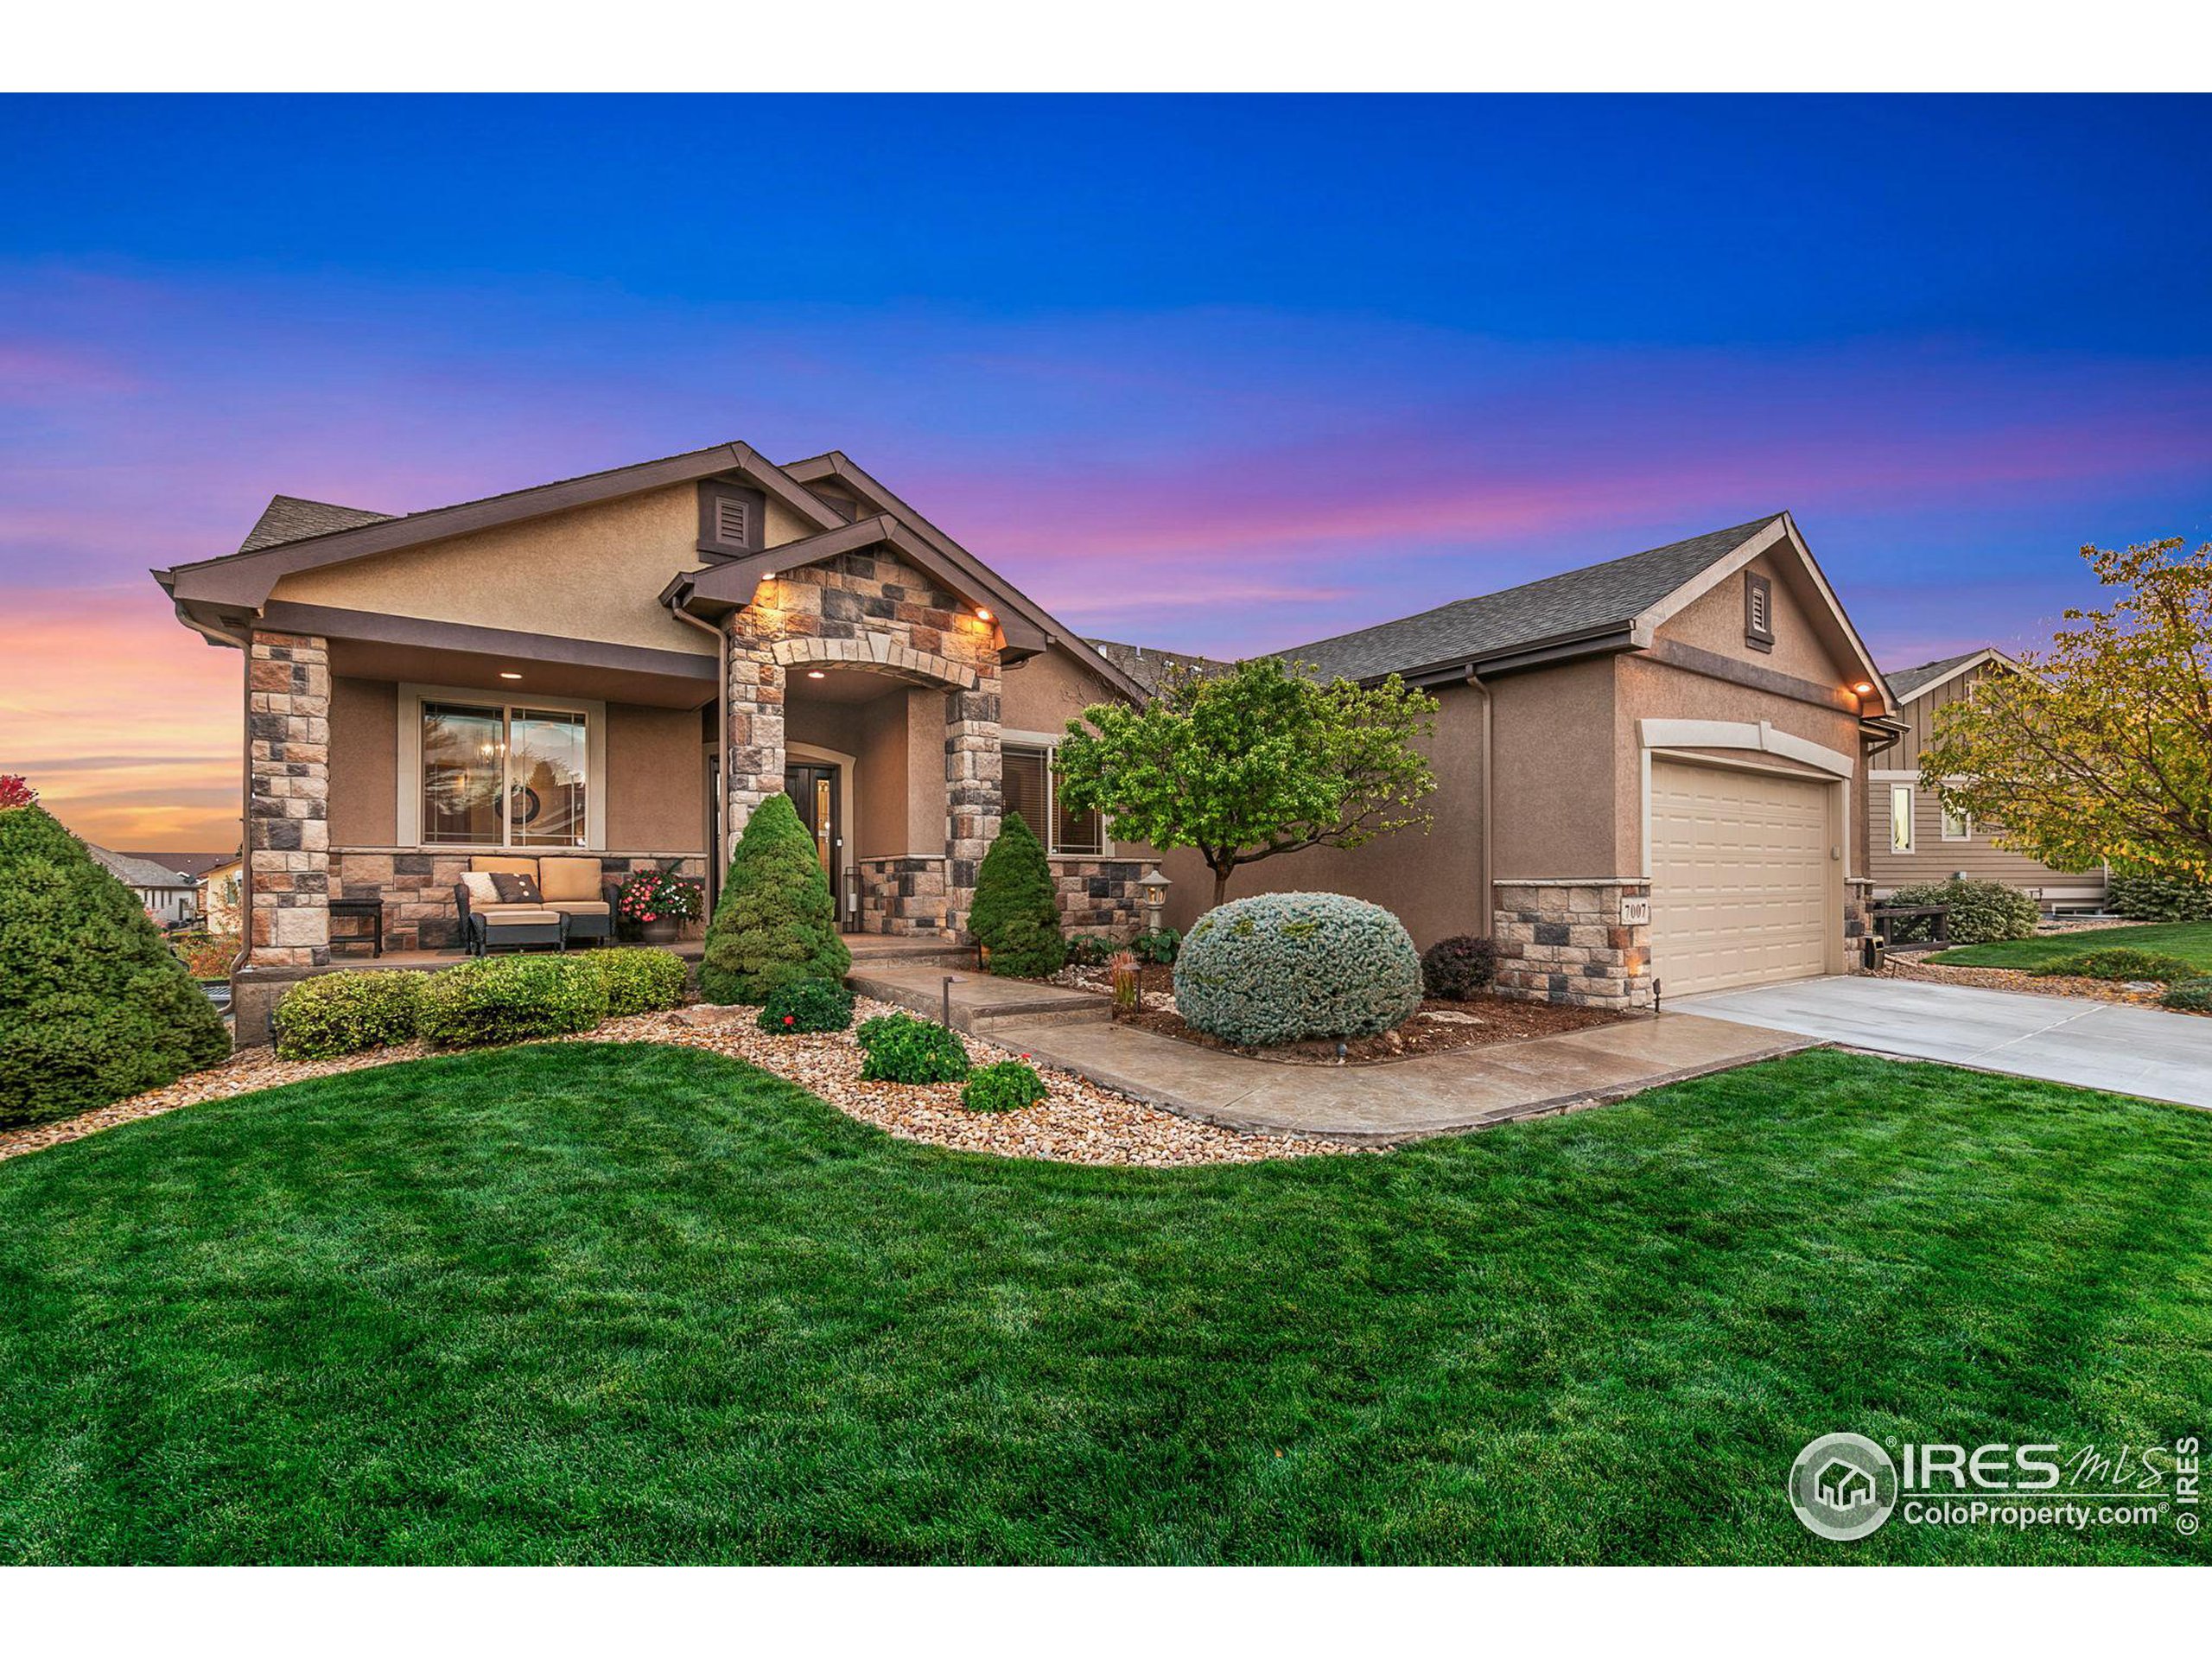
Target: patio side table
(371, 908)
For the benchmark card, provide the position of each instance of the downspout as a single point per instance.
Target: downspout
(1484, 883)
(245, 643)
(717, 856)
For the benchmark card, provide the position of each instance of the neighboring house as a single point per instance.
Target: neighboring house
(1912, 838)
(222, 891)
(628, 663)
(171, 897)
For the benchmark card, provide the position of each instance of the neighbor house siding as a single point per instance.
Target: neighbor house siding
(1932, 858)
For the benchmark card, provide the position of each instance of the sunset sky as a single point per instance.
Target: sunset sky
(1217, 375)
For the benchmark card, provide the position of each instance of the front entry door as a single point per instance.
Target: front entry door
(813, 790)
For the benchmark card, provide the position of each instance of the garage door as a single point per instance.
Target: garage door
(1739, 877)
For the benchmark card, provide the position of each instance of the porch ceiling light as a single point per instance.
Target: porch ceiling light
(509, 674)
(814, 674)
(1864, 687)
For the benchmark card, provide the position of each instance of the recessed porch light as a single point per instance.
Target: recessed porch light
(1864, 687)
(509, 674)
(814, 674)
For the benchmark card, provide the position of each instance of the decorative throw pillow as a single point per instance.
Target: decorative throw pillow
(515, 889)
(481, 891)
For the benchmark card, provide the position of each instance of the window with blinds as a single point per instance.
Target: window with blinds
(1027, 788)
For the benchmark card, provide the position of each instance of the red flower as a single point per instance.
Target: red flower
(791, 1019)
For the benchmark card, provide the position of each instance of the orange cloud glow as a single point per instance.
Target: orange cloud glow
(125, 722)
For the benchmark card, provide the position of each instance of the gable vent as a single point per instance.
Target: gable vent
(733, 516)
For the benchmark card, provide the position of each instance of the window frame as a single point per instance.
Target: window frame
(407, 822)
(1911, 819)
(1049, 743)
(1964, 820)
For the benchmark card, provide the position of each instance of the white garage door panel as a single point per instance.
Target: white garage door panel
(1739, 878)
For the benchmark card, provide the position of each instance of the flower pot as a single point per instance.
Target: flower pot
(662, 931)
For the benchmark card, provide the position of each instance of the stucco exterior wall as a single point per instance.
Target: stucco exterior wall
(1046, 692)
(364, 762)
(1554, 732)
(592, 573)
(656, 780)
(1714, 622)
(1431, 881)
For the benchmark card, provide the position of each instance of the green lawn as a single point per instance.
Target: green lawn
(2191, 941)
(586, 1303)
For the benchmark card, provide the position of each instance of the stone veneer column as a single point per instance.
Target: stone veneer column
(974, 776)
(288, 808)
(752, 751)
(1565, 942)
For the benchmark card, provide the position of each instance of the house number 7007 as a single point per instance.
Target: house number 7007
(1635, 913)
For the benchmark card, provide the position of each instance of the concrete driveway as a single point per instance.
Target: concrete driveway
(2131, 1051)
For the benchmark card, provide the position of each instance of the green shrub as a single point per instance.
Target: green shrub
(1002, 1086)
(2121, 962)
(1017, 912)
(2160, 898)
(637, 981)
(1982, 912)
(2190, 996)
(810, 1005)
(775, 923)
(899, 1048)
(511, 999)
(1089, 949)
(1455, 969)
(331, 1014)
(1160, 946)
(1284, 967)
(94, 1006)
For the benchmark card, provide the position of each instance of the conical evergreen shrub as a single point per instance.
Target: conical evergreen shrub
(93, 1004)
(775, 924)
(1017, 916)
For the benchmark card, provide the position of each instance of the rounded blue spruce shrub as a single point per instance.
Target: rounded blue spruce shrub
(1286, 967)
(331, 1014)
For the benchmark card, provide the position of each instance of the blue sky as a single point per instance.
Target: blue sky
(1219, 374)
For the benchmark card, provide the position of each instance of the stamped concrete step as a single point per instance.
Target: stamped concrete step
(977, 1001)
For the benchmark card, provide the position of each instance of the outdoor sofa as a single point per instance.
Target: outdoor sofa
(574, 905)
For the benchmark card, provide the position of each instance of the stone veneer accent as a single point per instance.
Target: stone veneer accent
(1564, 942)
(287, 801)
(416, 887)
(875, 613)
(1099, 895)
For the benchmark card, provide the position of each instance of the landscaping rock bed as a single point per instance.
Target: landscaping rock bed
(1078, 1122)
(2013, 979)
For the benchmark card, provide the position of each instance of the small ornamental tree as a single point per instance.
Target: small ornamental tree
(1016, 916)
(1252, 762)
(775, 923)
(94, 1006)
(2103, 750)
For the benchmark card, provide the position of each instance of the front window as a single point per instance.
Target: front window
(1957, 826)
(1900, 818)
(1029, 788)
(495, 774)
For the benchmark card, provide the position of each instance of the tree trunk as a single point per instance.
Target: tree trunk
(1220, 886)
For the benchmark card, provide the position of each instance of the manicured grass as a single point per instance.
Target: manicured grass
(595, 1303)
(2191, 941)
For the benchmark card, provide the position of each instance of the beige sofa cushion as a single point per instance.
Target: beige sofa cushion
(516, 915)
(578, 908)
(568, 878)
(492, 863)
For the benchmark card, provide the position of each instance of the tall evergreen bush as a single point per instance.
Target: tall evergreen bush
(775, 924)
(1017, 914)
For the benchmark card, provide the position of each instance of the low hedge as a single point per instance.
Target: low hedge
(2159, 898)
(899, 1048)
(1982, 912)
(812, 1005)
(511, 998)
(1002, 1086)
(2190, 996)
(1455, 969)
(637, 981)
(331, 1014)
(2121, 961)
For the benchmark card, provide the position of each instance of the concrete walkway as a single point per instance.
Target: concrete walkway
(2130, 1051)
(1405, 1099)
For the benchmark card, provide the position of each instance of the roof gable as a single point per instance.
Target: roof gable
(1910, 685)
(295, 518)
